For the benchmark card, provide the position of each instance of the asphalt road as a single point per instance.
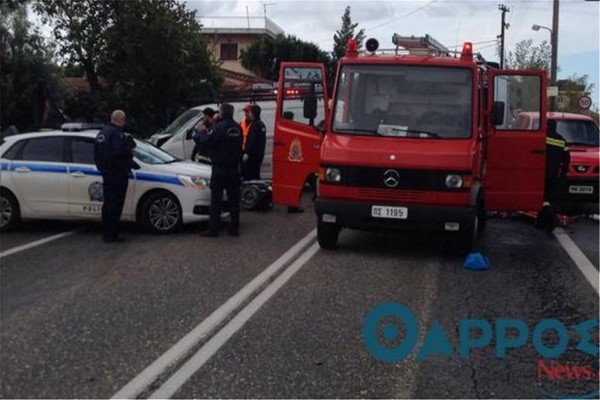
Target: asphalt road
(80, 318)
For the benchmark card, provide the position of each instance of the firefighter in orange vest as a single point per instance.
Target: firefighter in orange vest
(245, 124)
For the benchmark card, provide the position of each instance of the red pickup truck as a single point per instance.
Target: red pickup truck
(581, 134)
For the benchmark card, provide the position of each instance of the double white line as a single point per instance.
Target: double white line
(141, 383)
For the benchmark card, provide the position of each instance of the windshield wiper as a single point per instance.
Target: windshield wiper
(359, 130)
(419, 133)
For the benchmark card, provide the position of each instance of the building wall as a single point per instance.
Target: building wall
(243, 41)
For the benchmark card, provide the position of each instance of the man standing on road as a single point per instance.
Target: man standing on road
(224, 143)
(557, 165)
(113, 155)
(255, 146)
(245, 124)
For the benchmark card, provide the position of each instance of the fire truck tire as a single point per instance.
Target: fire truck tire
(462, 243)
(327, 235)
(481, 214)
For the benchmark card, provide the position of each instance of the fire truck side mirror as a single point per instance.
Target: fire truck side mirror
(498, 113)
(310, 106)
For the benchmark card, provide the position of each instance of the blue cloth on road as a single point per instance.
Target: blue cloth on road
(477, 262)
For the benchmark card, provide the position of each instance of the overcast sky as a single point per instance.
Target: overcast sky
(451, 22)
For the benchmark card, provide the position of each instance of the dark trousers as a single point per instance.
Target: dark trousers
(251, 170)
(114, 190)
(227, 179)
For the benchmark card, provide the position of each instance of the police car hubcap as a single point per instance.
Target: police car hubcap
(5, 211)
(164, 214)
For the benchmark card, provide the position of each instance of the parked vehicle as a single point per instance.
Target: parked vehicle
(180, 143)
(410, 141)
(52, 175)
(583, 138)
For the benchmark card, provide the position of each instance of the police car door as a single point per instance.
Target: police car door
(297, 141)
(516, 155)
(39, 173)
(85, 181)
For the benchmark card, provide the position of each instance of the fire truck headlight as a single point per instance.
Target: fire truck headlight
(333, 175)
(454, 181)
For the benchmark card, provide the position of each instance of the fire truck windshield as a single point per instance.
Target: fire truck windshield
(403, 101)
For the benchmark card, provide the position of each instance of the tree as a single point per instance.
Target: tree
(265, 54)
(570, 90)
(526, 56)
(29, 77)
(156, 61)
(345, 33)
(79, 28)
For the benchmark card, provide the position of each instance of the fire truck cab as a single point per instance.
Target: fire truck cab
(413, 137)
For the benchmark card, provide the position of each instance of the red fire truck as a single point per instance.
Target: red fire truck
(414, 137)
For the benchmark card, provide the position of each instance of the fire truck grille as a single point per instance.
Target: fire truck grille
(393, 195)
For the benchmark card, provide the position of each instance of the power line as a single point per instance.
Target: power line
(493, 41)
(402, 16)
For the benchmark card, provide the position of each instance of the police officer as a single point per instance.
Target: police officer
(557, 165)
(255, 145)
(113, 154)
(224, 142)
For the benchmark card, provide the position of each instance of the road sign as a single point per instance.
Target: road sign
(585, 102)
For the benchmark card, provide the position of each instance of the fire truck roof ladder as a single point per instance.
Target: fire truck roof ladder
(424, 45)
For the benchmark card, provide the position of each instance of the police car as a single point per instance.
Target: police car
(52, 175)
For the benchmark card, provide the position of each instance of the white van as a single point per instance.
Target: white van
(180, 144)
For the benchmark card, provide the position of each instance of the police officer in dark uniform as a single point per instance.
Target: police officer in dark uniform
(224, 142)
(113, 154)
(255, 145)
(557, 165)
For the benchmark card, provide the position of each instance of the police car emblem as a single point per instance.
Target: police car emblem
(295, 151)
(95, 191)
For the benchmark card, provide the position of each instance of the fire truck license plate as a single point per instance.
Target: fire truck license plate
(581, 189)
(389, 212)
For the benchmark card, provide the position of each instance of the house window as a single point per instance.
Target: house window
(229, 51)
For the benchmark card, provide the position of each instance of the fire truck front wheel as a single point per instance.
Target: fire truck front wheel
(327, 235)
(463, 242)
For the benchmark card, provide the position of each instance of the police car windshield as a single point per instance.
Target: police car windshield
(150, 154)
(181, 121)
(583, 133)
(404, 101)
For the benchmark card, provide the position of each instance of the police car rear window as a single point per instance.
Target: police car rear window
(13, 152)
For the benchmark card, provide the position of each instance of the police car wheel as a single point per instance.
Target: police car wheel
(9, 211)
(327, 235)
(250, 197)
(161, 213)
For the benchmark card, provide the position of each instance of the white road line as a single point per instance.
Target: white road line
(177, 380)
(582, 262)
(145, 378)
(35, 244)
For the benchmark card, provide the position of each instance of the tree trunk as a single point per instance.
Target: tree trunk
(92, 76)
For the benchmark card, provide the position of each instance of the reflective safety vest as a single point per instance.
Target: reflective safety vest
(245, 129)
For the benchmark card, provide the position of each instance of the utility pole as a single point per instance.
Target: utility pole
(504, 25)
(554, 56)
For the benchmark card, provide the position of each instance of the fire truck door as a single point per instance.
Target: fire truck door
(516, 155)
(299, 122)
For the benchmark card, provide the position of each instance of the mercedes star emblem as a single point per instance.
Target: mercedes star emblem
(391, 178)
